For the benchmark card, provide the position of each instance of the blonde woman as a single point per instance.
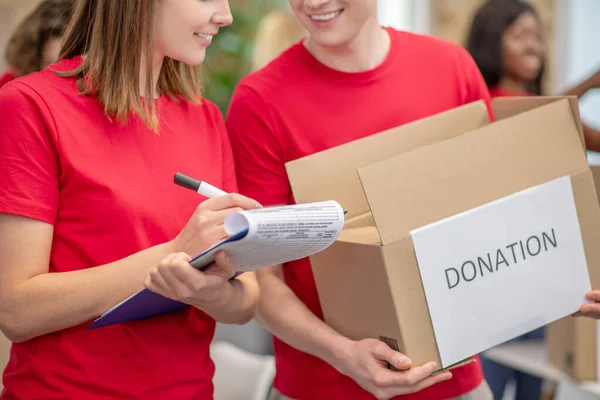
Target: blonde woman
(89, 213)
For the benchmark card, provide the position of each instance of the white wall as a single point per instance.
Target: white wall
(578, 50)
(395, 13)
(408, 15)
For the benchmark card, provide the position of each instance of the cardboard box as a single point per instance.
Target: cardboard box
(574, 343)
(416, 189)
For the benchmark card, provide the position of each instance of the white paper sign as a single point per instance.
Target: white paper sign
(502, 269)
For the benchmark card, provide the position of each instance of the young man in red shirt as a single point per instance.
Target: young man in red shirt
(351, 78)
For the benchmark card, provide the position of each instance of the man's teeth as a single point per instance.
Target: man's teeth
(204, 36)
(326, 17)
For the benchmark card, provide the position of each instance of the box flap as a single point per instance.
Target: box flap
(505, 107)
(422, 186)
(331, 174)
(362, 235)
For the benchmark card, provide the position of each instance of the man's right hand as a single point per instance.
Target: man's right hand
(366, 362)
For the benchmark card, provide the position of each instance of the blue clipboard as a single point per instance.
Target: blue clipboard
(146, 303)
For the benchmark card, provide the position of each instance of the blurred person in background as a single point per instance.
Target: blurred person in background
(507, 42)
(276, 31)
(35, 43)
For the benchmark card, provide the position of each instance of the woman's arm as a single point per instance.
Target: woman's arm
(34, 302)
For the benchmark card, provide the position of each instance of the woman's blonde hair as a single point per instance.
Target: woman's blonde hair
(277, 31)
(111, 35)
(24, 51)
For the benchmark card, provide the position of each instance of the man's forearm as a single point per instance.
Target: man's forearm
(282, 313)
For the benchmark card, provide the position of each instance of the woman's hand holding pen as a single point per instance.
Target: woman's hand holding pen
(206, 226)
(210, 290)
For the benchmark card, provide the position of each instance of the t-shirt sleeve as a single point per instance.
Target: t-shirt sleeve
(29, 180)
(257, 149)
(476, 88)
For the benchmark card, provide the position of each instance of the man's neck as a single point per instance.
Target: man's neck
(365, 52)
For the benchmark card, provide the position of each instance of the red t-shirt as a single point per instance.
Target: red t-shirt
(7, 76)
(497, 91)
(108, 190)
(295, 107)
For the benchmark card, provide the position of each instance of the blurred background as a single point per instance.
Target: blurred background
(572, 32)
(572, 37)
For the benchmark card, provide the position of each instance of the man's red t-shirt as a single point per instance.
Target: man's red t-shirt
(107, 188)
(297, 106)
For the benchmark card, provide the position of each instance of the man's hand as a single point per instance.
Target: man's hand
(366, 362)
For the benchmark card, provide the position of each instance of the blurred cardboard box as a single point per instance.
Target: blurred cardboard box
(460, 234)
(574, 343)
